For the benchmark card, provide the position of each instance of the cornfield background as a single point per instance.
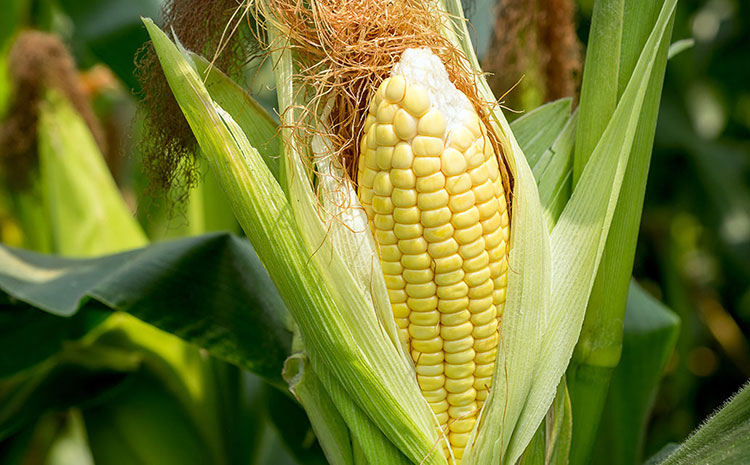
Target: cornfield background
(92, 387)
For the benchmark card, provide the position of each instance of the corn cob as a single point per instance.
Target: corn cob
(430, 183)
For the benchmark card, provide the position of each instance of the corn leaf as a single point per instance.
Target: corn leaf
(211, 291)
(598, 349)
(721, 440)
(650, 335)
(580, 234)
(324, 315)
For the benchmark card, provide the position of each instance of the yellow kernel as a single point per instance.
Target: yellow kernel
(491, 224)
(462, 220)
(487, 357)
(369, 121)
(382, 185)
(444, 248)
(458, 385)
(474, 124)
(432, 124)
(386, 135)
(483, 345)
(483, 331)
(424, 332)
(429, 383)
(451, 277)
(396, 88)
(484, 317)
(453, 291)
(484, 192)
(434, 218)
(382, 205)
(480, 305)
(428, 370)
(421, 290)
(484, 371)
(458, 439)
(406, 215)
(460, 371)
(372, 142)
(433, 200)
(428, 358)
(418, 276)
(479, 175)
(403, 178)
(396, 296)
(438, 233)
(389, 253)
(459, 344)
(452, 306)
(482, 384)
(494, 238)
(386, 237)
(412, 246)
(483, 290)
(400, 310)
(416, 101)
(450, 263)
(405, 125)
(460, 357)
(468, 235)
(423, 304)
(436, 395)
(442, 418)
(497, 253)
(474, 159)
(452, 162)
(479, 262)
(383, 156)
(407, 231)
(458, 184)
(402, 156)
(404, 198)
(440, 407)
(462, 398)
(391, 267)
(419, 261)
(425, 166)
(386, 112)
(425, 318)
(394, 282)
(425, 146)
(454, 333)
(367, 177)
(461, 139)
(431, 183)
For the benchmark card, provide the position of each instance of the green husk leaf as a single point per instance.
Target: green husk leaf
(329, 426)
(537, 130)
(367, 364)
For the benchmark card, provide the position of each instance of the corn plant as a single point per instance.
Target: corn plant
(456, 285)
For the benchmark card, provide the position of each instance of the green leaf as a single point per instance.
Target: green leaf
(599, 346)
(580, 234)
(210, 290)
(650, 335)
(722, 440)
(537, 130)
(118, 434)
